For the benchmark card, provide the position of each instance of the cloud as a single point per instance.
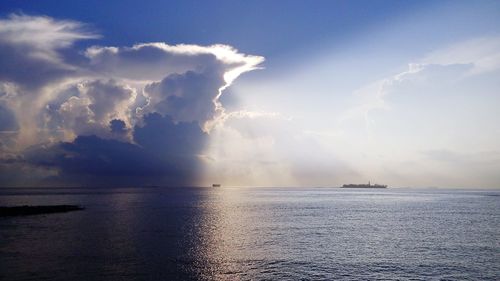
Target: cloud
(483, 54)
(31, 49)
(268, 149)
(8, 121)
(186, 97)
(178, 140)
(435, 74)
(444, 104)
(106, 114)
(118, 127)
(183, 71)
(420, 83)
(163, 153)
(88, 107)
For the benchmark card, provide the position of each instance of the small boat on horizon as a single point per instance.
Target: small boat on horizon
(216, 185)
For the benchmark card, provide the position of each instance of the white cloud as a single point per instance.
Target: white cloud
(445, 102)
(482, 53)
(212, 67)
(39, 76)
(30, 48)
(43, 33)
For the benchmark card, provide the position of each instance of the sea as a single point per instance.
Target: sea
(253, 233)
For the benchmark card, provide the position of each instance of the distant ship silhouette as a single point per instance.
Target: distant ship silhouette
(369, 185)
(216, 185)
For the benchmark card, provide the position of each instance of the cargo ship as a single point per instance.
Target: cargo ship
(369, 185)
(216, 185)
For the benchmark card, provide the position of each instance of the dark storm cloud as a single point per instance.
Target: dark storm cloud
(117, 126)
(96, 161)
(164, 153)
(7, 119)
(161, 136)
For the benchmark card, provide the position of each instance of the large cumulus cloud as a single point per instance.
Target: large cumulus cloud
(106, 115)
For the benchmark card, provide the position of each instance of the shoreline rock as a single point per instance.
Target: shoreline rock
(37, 210)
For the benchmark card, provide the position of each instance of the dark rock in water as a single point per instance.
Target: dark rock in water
(36, 210)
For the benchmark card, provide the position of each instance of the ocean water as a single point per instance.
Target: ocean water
(253, 234)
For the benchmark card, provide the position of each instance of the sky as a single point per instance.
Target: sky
(250, 93)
